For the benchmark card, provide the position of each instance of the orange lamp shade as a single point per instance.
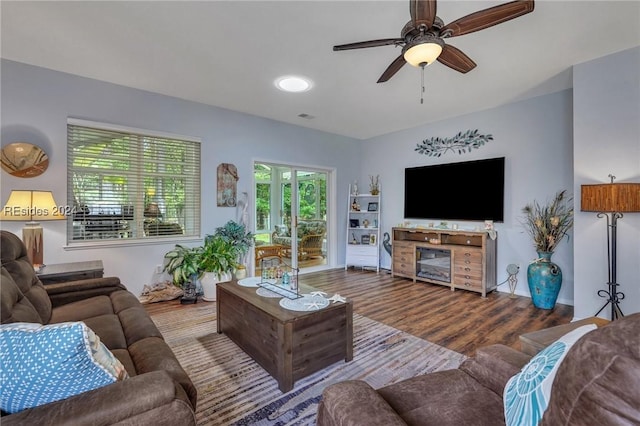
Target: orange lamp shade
(611, 197)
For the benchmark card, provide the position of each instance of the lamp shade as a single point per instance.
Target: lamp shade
(611, 197)
(31, 206)
(423, 51)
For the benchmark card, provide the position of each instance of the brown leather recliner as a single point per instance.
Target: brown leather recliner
(158, 390)
(598, 383)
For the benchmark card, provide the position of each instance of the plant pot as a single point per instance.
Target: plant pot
(545, 279)
(241, 272)
(209, 282)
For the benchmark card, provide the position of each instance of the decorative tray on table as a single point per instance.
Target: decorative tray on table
(280, 290)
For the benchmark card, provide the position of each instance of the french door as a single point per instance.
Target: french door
(291, 212)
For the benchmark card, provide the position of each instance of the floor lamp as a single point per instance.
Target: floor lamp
(610, 201)
(32, 207)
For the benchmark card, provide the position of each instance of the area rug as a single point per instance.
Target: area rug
(234, 390)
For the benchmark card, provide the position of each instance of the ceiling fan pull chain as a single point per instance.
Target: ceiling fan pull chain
(422, 83)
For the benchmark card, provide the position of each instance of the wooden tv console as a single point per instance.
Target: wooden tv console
(457, 259)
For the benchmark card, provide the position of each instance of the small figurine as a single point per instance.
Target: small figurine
(355, 206)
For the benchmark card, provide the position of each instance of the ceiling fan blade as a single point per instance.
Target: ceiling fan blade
(422, 12)
(392, 69)
(456, 59)
(487, 18)
(370, 43)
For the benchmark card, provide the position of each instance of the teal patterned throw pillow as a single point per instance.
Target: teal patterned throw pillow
(41, 364)
(526, 395)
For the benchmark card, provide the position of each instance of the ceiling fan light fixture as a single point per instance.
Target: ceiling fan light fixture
(423, 50)
(293, 83)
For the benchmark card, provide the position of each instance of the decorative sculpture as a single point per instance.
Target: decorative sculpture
(386, 244)
(460, 143)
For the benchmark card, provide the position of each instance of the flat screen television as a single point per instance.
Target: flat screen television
(469, 190)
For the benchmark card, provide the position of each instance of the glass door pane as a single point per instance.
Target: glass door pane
(263, 195)
(291, 214)
(311, 226)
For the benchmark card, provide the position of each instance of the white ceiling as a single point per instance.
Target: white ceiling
(227, 54)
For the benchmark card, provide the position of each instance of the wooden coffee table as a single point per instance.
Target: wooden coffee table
(289, 345)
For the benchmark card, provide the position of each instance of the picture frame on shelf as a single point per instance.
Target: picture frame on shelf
(365, 239)
(372, 239)
(372, 207)
(354, 223)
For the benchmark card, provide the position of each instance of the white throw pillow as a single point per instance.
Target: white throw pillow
(526, 395)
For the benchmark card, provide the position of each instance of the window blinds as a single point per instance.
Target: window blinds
(125, 184)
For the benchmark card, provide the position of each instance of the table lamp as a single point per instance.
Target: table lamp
(32, 207)
(610, 200)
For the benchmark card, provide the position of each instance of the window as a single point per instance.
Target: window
(131, 184)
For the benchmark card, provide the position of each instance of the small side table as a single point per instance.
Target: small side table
(62, 272)
(534, 342)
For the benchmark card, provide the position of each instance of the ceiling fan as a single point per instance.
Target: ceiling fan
(422, 38)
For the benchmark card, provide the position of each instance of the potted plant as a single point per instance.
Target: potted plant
(182, 263)
(547, 225)
(217, 261)
(239, 237)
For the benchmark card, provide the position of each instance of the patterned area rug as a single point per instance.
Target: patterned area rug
(234, 390)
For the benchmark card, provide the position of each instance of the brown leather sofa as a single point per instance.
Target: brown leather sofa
(598, 383)
(158, 390)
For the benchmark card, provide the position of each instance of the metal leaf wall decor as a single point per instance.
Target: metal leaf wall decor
(461, 143)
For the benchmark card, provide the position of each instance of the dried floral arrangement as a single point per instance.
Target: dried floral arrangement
(549, 224)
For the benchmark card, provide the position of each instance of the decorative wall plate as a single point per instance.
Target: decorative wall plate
(22, 159)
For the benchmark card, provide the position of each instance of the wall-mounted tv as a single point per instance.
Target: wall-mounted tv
(469, 190)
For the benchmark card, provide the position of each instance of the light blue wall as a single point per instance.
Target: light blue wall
(552, 142)
(534, 136)
(607, 141)
(36, 103)
(557, 141)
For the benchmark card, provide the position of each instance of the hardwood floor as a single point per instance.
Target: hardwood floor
(460, 320)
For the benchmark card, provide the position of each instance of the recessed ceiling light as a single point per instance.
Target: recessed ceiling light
(292, 83)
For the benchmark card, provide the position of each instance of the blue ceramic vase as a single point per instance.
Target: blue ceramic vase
(545, 279)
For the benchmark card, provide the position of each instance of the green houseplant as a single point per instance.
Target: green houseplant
(216, 263)
(182, 263)
(238, 236)
(217, 256)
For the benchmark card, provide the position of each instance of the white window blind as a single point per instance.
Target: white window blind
(125, 184)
